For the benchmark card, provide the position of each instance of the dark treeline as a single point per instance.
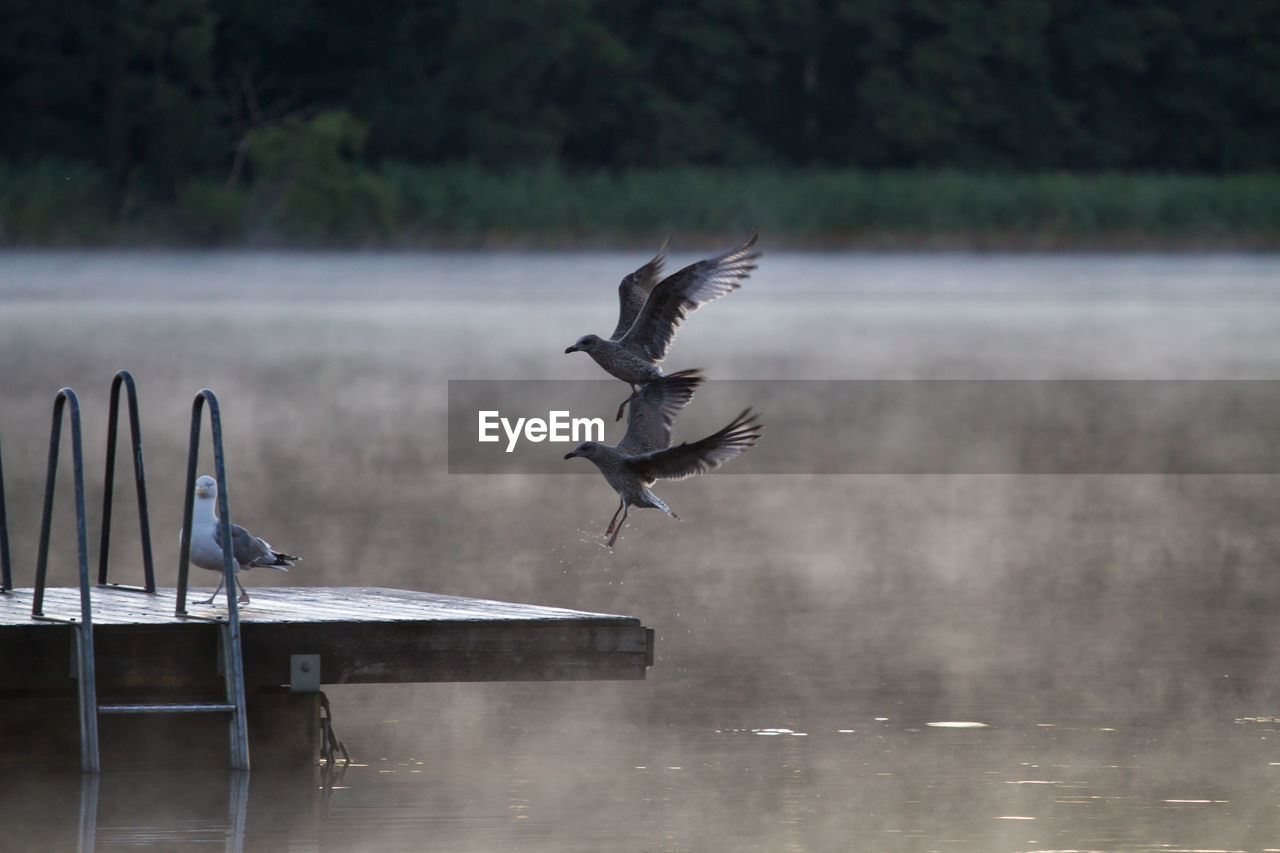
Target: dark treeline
(152, 98)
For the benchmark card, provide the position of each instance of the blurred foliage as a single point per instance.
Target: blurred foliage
(833, 206)
(305, 113)
(211, 213)
(309, 190)
(126, 85)
(54, 201)
(310, 184)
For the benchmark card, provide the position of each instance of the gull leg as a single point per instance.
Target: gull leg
(657, 502)
(609, 529)
(215, 592)
(618, 529)
(622, 407)
(244, 593)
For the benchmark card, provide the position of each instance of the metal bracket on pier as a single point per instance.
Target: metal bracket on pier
(304, 673)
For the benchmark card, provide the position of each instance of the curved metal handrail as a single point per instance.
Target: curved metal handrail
(233, 670)
(125, 379)
(205, 396)
(66, 398)
(6, 573)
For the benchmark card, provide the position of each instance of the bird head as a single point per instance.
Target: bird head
(587, 449)
(206, 487)
(586, 343)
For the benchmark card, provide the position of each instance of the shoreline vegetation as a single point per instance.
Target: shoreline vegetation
(335, 203)
(1041, 125)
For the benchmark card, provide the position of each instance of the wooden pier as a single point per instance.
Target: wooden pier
(295, 639)
(144, 673)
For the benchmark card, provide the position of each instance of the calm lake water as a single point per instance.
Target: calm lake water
(922, 662)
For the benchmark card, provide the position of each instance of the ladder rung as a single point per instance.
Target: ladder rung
(169, 708)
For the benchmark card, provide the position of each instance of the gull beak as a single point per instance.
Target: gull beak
(571, 454)
(202, 492)
(571, 349)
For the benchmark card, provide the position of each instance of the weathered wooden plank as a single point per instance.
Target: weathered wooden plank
(151, 656)
(400, 652)
(363, 635)
(285, 604)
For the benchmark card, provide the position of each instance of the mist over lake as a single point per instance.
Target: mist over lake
(1113, 634)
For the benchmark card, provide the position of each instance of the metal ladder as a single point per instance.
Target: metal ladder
(229, 629)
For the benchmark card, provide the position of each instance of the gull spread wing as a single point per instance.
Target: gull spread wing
(653, 409)
(635, 289)
(699, 457)
(678, 294)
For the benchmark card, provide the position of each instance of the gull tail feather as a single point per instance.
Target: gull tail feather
(277, 560)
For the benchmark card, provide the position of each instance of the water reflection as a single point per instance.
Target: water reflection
(1009, 786)
(158, 810)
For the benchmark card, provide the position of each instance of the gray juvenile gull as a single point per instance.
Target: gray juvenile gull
(650, 311)
(653, 410)
(246, 549)
(631, 474)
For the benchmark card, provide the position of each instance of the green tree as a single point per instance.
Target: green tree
(527, 81)
(1107, 57)
(48, 102)
(952, 83)
(700, 67)
(311, 182)
(156, 93)
(124, 83)
(1217, 97)
(260, 69)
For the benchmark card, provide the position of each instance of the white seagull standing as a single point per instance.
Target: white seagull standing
(650, 311)
(247, 550)
(645, 456)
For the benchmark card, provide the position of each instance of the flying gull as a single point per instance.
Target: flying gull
(631, 473)
(246, 549)
(650, 311)
(653, 410)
